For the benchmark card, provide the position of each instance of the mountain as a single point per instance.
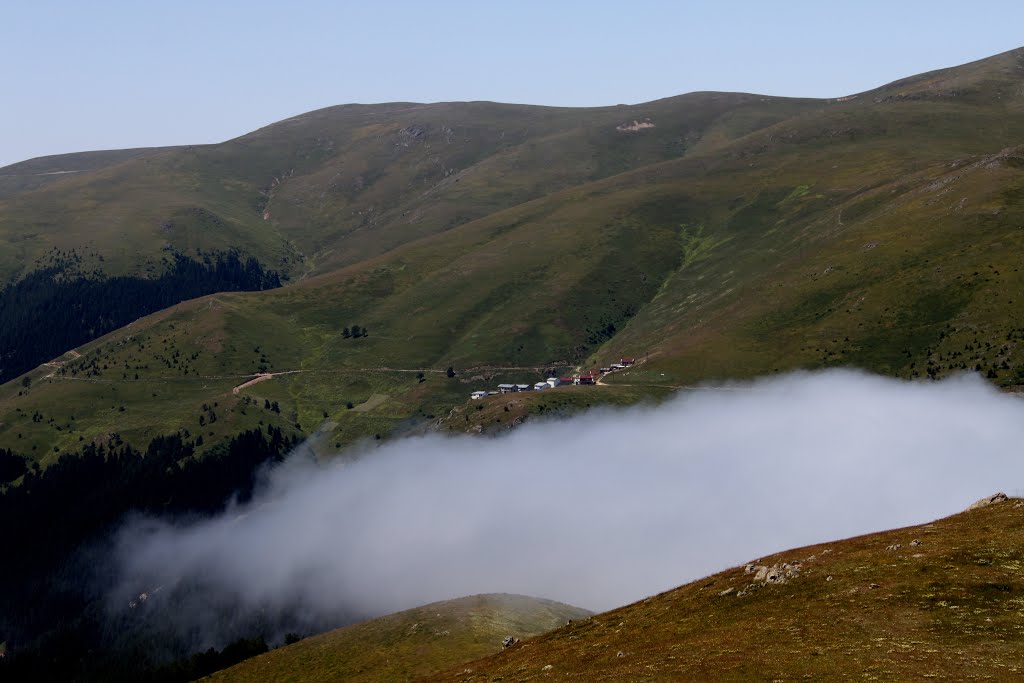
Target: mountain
(424, 251)
(711, 235)
(407, 645)
(936, 601)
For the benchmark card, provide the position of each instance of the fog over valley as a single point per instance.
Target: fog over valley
(598, 510)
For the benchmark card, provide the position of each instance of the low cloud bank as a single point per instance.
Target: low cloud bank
(601, 509)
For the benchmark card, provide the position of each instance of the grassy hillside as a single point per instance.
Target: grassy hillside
(407, 645)
(42, 171)
(338, 185)
(740, 235)
(939, 601)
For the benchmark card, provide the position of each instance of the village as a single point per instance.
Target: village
(590, 377)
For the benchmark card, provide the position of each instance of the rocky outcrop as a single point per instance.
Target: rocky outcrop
(635, 126)
(777, 573)
(989, 500)
(774, 575)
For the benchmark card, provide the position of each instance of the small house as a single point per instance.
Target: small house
(627, 361)
(553, 382)
(508, 388)
(565, 380)
(477, 395)
(540, 386)
(524, 387)
(605, 371)
(586, 379)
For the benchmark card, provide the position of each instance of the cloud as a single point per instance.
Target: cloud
(601, 509)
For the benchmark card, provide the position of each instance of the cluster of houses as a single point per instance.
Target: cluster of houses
(589, 377)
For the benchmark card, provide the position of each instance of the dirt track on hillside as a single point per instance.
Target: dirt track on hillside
(263, 376)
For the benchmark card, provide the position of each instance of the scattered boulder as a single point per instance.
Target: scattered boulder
(508, 641)
(990, 500)
(895, 546)
(916, 542)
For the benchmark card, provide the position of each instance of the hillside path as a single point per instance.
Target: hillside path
(263, 376)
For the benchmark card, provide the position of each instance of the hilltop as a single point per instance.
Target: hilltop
(409, 644)
(936, 601)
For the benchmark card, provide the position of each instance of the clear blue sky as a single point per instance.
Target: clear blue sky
(98, 75)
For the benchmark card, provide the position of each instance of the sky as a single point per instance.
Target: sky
(117, 74)
(647, 498)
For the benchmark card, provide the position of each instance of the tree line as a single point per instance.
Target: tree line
(57, 528)
(52, 309)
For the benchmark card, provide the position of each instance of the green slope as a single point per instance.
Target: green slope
(741, 235)
(407, 645)
(936, 602)
(42, 171)
(345, 183)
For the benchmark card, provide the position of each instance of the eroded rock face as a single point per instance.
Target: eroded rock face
(990, 500)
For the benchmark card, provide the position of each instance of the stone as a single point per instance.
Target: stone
(547, 667)
(990, 500)
(916, 542)
(508, 641)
